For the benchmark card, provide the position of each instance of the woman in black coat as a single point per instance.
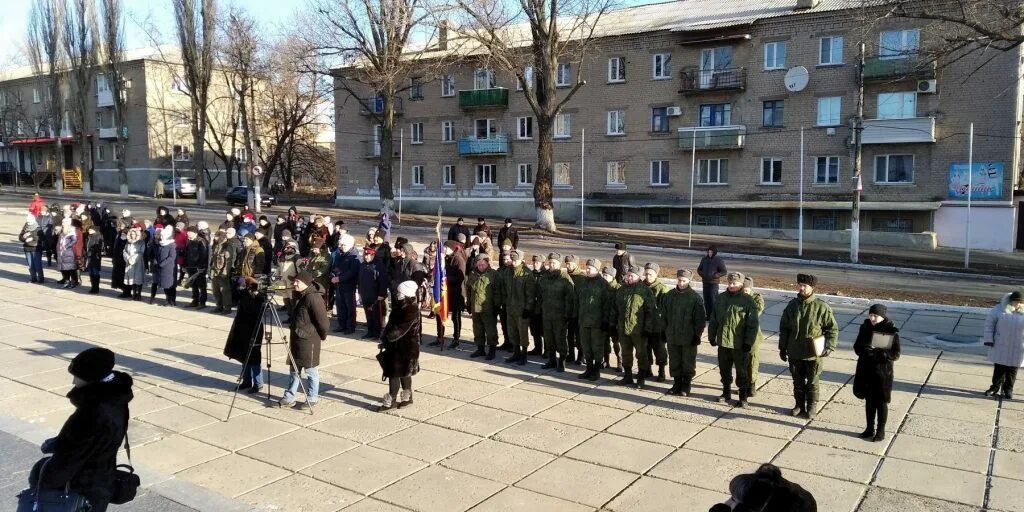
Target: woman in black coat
(246, 337)
(766, 490)
(873, 380)
(400, 344)
(164, 266)
(118, 265)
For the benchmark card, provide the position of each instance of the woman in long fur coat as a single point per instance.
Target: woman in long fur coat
(400, 344)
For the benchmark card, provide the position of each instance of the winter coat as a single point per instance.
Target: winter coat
(455, 272)
(346, 269)
(594, 301)
(482, 227)
(30, 237)
(66, 257)
(401, 339)
(632, 309)
(196, 255)
(481, 291)
(286, 268)
(712, 268)
(180, 241)
(519, 291)
(734, 321)
(85, 450)
(135, 265)
(408, 269)
(620, 262)
(556, 294)
(254, 261)
(268, 255)
(771, 493)
(1004, 334)
(93, 251)
(456, 230)
(164, 271)
(684, 317)
(759, 301)
(659, 289)
(315, 264)
(384, 227)
(511, 234)
(372, 284)
(223, 262)
(246, 337)
(873, 379)
(308, 325)
(803, 320)
(117, 263)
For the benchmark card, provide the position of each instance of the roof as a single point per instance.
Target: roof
(160, 53)
(662, 203)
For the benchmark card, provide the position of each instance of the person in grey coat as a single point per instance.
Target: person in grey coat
(1004, 337)
(165, 268)
(135, 262)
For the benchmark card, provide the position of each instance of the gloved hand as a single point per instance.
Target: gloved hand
(783, 356)
(380, 346)
(48, 445)
(713, 342)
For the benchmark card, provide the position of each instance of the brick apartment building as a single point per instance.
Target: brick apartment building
(698, 87)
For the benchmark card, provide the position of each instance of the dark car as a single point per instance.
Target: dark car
(240, 196)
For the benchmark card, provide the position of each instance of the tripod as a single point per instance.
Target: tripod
(270, 322)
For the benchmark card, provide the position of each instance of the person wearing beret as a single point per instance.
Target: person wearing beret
(733, 328)
(807, 324)
(84, 454)
(683, 314)
(873, 380)
(558, 302)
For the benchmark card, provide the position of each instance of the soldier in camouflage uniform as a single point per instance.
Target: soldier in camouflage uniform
(633, 311)
(558, 301)
(656, 351)
(517, 293)
(481, 298)
(755, 359)
(572, 338)
(733, 328)
(593, 295)
(611, 342)
(805, 319)
(683, 311)
(536, 315)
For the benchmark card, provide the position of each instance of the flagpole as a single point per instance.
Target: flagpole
(970, 192)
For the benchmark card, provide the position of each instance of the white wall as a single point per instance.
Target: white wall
(992, 227)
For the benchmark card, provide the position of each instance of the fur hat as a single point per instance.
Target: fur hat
(748, 283)
(347, 241)
(537, 258)
(555, 256)
(609, 271)
(653, 266)
(620, 246)
(518, 255)
(93, 364)
(808, 279)
(735, 277)
(461, 237)
(878, 309)
(684, 273)
(594, 262)
(570, 258)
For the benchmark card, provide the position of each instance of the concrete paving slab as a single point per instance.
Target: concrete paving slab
(699, 469)
(463, 390)
(1008, 464)
(948, 429)
(579, 482)
(879, 499)
(176, 453)
(916, 478)
(420, 491)
(548, 436)
(656, 429)
(581, 414)
(1011, 439)
(233, 475)
(501, 462)
(476, 420)
(512, 499)
(828, 462)
(739, 445)
(298, 449)
(651, 495)
(520, 401)
(299, 493)
(940, 453)
(364, 469)
(372, 505)
(620, 452)
(240, 432)
(427, 442)
(363, 426)
(1006, 495)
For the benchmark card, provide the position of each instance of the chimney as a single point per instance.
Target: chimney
(442, 35)
(807, 4)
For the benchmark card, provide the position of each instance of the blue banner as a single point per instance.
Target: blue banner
(985, 181)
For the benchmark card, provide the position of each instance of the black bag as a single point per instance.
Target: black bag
(126, 482)
(50, 500)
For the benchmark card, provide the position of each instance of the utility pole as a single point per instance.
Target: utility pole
(858, 128)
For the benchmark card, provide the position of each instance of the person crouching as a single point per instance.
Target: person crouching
(400, 346)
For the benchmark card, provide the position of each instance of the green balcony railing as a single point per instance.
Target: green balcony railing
(483, 98)
(898, 68)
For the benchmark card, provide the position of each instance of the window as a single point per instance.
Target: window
(524, 176)
(447, 131)
(417, 175)
(178, 84)
(716, 114)
(772, 114)
(659, 120)
(898, 44)
(100, 153)
(485, 129)
(564, 71)
(661, 66)
(101, 83)
(826, 170)
(892, 225)
(118, 152)
(659, 173)
(417, 133)
(613, 215)
(376, 177)
(616, 175)
(563, 126)
(447, 86)
(830, 51)
(242, 155)
(827, 222)
(658, 218)
(35, 95)
(528, 76)
(713, 171)
(180, 118)
(616, 70)
(775, 55)
(563, 178)
(894, 169)
(486, 175)
(483, 78)
(448, 176)
(525, 128)
(710, 220)
(771, 171)
(773, 221)
(897, 105)
(714, 62)
(416, 89)
(828, 110)
(616, 122)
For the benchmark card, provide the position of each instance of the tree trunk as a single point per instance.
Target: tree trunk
(543, 199)
(199, 165)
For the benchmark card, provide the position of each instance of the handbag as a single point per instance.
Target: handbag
(126, 482)
(50, 500)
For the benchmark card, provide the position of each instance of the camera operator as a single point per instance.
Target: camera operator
(245, 340)
(308, 325)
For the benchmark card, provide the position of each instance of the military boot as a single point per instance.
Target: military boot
(551, 363)
(586, 373)
(742, 402)
(661, 373)
(800, 407)
(618, 360)
(561, 364)
(685, 391)
(726, 394)
(627, 378)
(812, 406)
(491, 352)
(507, 346)
(514, 358)
(537, 350)
(94, 285)
(752, 391)
(677, 386)
(595, 372)
(480, 352)
(522, 358)
(640, 381)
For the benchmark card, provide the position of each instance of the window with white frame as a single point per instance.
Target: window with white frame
(447, 131)
(894, 169)
(616, 69)
(417, 176)
(826, 170)
(659, 173)
(563, 126)
(527, 76)
(524, 175)
(448, 176)
(828, 110)
(417, 133)
(101, 83)
(899, 44)
(483, 78)
(830, 51)
(178, 84)
(771, 171)
(563, 174)
(659, 120)
(714, 171)
(897, 105)
(486, 175)
(242, 155)
(661, 66)
(485, 129)
(616, 175)
(524, 128)
(616, 122)
(563, 77)
(447, 86)
(101, 154)
(775, 55)
(35, 95)
(416, 88)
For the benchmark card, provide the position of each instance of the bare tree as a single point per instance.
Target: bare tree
(112, 60)
(45, 49)
(241, 62)
(195, 23)
(81, 48)
(530, 38)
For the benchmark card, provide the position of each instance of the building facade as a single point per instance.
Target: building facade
(738, 110)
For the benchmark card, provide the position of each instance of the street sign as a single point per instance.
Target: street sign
(257, 170)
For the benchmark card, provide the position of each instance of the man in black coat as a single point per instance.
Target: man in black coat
(621, 261)
(408, 268)
(345, 276)
(245, 340)
(508, 232)
(482, 227)
(197, 261)
(308, 324)
(712, 270)
(373, 291)
(460, 227)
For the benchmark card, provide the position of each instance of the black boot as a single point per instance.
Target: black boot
(514, 358)
(586, 373)
(627, 378)
(883, 416)
(551, 363)
(677, 386)
(595, 372)
(507, 346)
(647, 373)
(742, 402)
(812, 406)
(480, 352)
(126, 293)
(869, 416)
(618, 360)
(94, 285)
(522, 358)
(661, 373)
(801, 405)
(726, 394)
(491, 351)
(571, 354)
(640, 381)
(561, 364)
(137, 293)
(992, 390)
(685, 391)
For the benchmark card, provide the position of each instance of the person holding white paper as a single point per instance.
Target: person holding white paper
(877, 346)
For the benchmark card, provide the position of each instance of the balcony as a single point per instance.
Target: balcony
(712, 137)
(878, 69)
(696, 81)
(104, 98)
(110, 133)
(373, 149)
(898, 131)
(375, 106)
(472, 146)
(483, 98)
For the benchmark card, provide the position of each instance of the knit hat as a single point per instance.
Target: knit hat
(684, 273)
(735, 277)
(594, 262)
(808, 279)
(555, 256)
(305, 277)
(92, 365)
(571, 258)
(878, 309)
(230, 232)
(609, 271)
(407, 289)
(748, 283)
(653, 266)
(620, 246)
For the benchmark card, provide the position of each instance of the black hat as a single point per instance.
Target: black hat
(479, 219)
(305, 277)
(653, 266)
(400, 241)
(684, 273)
(620, 246)
(878, 309)
(1015, 296)
(508, 220)
(460, 219)
(807, 279)
(93, 364)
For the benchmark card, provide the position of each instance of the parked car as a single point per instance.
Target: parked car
(186, 187)
(240, 196)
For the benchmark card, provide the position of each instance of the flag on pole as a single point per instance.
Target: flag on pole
(440, 277)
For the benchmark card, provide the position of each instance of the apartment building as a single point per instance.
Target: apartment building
(737, 108)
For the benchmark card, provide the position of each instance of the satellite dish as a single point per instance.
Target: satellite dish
(796, 79)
